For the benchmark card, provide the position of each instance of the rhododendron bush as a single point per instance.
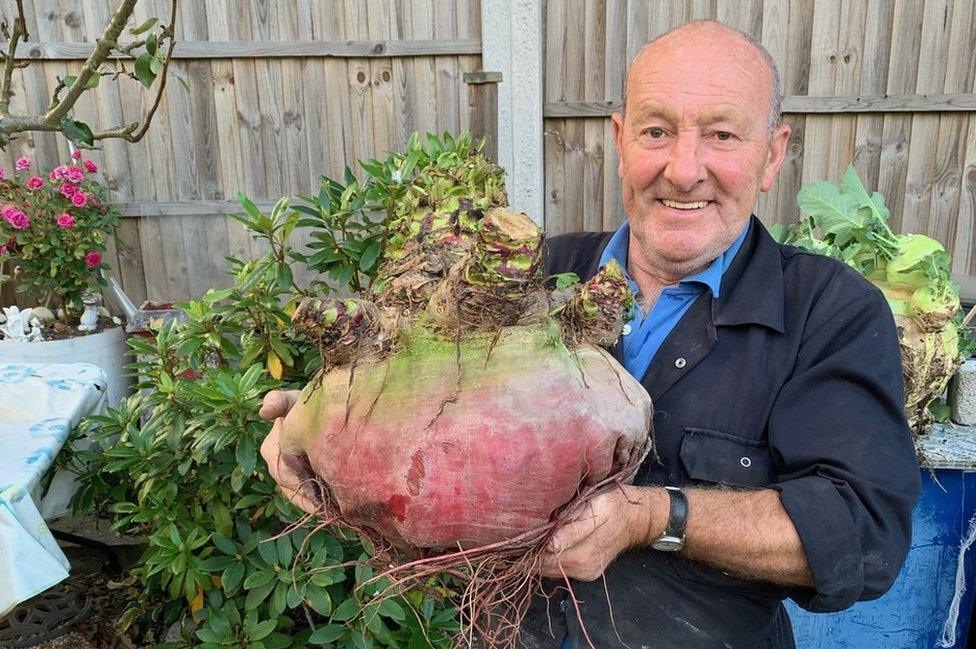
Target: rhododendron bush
(53, 230)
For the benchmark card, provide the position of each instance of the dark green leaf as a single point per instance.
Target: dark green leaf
(78, 132)
(215, 564)
(259, 594)
(143, 69)
(328, 633)
(268, 552)
(262, 630)
(392, 610)
(224, 544)
(319, 600)
(277, 640)
(231, 578)
(151, 44)
(372, 253)
(347, 610)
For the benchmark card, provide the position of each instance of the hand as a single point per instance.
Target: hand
(276, 405)
(610, 523)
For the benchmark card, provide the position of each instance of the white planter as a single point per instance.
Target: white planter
(105, 349)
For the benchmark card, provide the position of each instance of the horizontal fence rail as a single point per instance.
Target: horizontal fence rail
(266, 49)
(803, 104)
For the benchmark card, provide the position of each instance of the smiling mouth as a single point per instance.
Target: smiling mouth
(689, 206)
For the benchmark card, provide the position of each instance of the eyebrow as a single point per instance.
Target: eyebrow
(708, 116)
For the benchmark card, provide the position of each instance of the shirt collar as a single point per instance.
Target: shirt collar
(753, 286)
(710, 276)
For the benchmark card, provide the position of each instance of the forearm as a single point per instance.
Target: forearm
(745, 533)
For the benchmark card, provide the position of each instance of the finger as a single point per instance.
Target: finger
(573, 532)
(277, 403)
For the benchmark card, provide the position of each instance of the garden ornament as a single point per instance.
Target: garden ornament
(21, 326)
(89, 318)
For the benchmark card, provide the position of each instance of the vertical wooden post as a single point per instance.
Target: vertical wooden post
(483, 101)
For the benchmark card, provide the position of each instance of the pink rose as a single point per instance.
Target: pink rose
(3, 173)
(67, 190)
(93, 259)
(59, 172)
(35, 182)
(76, 154)
(90, 166)
(17, 219)
(22, 163)
(75, 175)
(66, 221)
(79, 199)
(8, 211)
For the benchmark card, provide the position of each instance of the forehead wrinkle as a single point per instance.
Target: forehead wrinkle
(704, 116)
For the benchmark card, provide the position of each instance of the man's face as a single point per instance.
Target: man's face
(694, 148)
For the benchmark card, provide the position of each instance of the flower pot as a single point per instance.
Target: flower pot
(105, 349)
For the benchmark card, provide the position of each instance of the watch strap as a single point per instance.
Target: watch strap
(678, 516)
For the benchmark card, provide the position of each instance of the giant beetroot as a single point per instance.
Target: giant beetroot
(464, 409)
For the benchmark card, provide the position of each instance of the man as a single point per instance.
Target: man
(775, 376)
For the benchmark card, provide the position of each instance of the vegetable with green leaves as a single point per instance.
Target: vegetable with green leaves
(463, 409)
(849, 224)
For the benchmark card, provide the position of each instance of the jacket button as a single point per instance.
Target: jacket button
(680, 362)
(626, 330)
(746, 462)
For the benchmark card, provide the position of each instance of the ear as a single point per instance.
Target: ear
(618, 130)
(775, 156)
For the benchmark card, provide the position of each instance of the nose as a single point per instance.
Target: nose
(685, 168)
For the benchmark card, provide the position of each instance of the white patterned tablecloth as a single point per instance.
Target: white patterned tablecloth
(39, 405)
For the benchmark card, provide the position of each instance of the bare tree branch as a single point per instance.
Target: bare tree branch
(20, 30)
(104, 45)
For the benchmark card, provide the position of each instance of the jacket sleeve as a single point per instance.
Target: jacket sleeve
(847, 471)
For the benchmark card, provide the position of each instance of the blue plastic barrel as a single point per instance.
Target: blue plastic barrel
(910, 615)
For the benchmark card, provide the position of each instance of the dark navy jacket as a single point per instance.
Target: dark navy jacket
(791, 380)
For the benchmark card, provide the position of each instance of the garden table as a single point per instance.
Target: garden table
(39, 405)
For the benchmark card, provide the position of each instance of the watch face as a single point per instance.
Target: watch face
(668, 544)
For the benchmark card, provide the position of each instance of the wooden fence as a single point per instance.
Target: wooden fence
(279, 93)
(885, 84)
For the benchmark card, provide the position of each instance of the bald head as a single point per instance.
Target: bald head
(736, 46)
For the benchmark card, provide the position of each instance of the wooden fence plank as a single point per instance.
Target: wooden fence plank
(902, 74)
(925, 128)
(594, 86)
(573, 83)
(874, 78)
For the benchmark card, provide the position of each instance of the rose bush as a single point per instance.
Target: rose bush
(53, 230)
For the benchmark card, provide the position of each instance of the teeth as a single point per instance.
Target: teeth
(685, 206)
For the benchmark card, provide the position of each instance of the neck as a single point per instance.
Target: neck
(652, 278)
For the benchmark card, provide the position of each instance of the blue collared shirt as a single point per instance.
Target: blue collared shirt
(643, 335)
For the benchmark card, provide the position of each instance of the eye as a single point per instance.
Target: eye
(723, 136)
(654, 132)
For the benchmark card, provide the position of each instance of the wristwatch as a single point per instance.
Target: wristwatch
(673, 538)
